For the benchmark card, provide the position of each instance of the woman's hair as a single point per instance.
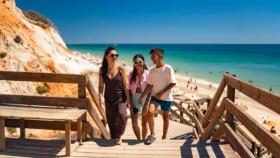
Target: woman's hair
(134, 72)
(104, 66)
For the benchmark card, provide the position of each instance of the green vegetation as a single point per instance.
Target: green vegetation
(3, 55)
(38, 18)
(41, 89)
(18, 40)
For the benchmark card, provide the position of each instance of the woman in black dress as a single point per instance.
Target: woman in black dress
(116, 94)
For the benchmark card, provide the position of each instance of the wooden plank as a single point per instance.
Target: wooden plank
(214, 121)
(231, 96)
(79, 130)
(68, 138)
(30, 113)
(182, 109)
(197, 110)
(268, 99)
(270, 141)
(39, 124)
(2, 134)
(40, 77)
(174, 113)
(213, 102)
(94, 97)
(40, 100)
(82, 87)
(236, 142)
(219, 133)
(22, 128)
(198, 125)
(98, 121)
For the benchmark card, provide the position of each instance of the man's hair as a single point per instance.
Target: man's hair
(157, 50)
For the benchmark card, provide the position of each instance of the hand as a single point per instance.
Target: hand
(131, 107)
(159, 95)
(140, 100)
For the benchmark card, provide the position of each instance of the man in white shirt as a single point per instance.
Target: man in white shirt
(161, 80)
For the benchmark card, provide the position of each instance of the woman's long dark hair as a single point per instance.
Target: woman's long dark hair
(134, 72)
(104, 66)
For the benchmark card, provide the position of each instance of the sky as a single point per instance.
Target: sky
(162, 21)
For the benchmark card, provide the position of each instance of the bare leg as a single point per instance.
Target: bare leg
(136, 129)
(151, 122)
(144, 126)
(165, 117)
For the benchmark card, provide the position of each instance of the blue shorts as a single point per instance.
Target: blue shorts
(164, 105)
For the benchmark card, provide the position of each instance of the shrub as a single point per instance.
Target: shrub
(3, 55)
(37, 17)
(18, 40)
(41, 89)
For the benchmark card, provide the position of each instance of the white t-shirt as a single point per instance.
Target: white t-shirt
(160, 78)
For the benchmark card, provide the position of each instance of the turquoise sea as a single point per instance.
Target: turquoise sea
(257, 62)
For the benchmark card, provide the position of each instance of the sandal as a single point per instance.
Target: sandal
(150, 140)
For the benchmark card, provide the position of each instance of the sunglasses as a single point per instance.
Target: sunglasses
(114, 55)
(138, 62)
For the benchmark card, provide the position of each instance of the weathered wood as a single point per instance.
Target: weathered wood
(236, 142)
(174, 113)
(82, 88)
(41, 77)
(2, 134)
(219, 133)
(30, 113)
(202, 100)
(182, 109)
(40, 100)
(22, 128)
(198, 125)
(94, 97)
(195, 134)
(270, 141)
(98, 121)
(197, 110)
(213, 102)
(268, 99)
(39, 124)
(68, 138)
(79, 130)
(214, 121)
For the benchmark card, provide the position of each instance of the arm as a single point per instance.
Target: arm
(146, 91)
(169, 87)
(125, 83)
(100, 88)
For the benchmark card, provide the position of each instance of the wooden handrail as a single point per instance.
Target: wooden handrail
(41, 77)
(41, 100)
(213, 102)
(214, 121)
(197, 110)
(266, 98)
(263, 135)
(236, 142)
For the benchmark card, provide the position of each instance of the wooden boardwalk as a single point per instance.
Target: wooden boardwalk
(179, 144)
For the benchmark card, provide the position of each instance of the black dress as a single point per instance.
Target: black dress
(115, 104)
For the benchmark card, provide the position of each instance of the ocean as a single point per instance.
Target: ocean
(257, 62)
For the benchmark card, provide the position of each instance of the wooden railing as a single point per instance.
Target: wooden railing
(220, 119)
(81, 101)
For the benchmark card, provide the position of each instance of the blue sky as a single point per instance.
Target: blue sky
(162, 21)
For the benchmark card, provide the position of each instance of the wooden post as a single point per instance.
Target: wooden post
(68, 138)
(82, 94)
(22, 128)
(79, 130)
(231, 96)
(2, 134)
(182, 115)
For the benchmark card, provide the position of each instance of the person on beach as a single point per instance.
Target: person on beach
(116, 94)
(137, 85)
(160, 81)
